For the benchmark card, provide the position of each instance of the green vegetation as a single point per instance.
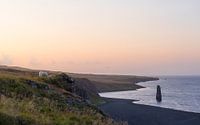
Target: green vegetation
(30, 100)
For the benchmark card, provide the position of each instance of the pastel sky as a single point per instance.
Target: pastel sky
(142, 37)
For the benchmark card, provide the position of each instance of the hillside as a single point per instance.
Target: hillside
(26, 99)
(106, 83)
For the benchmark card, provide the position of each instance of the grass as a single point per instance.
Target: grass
(29, 100)
(31, 112)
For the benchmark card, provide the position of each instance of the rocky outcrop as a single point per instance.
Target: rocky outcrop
(88, 87)
(159, 94)
(36, 85)
(80, 86)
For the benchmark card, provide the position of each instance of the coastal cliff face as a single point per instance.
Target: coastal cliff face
(26, 99)
(78, 86)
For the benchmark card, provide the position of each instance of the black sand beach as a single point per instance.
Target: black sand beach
(135, 114)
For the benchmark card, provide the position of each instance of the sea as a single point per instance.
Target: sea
(178, 92)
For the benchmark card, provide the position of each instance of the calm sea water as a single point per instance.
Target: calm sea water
(180, 93)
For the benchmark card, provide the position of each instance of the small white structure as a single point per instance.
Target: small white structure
(43, 74)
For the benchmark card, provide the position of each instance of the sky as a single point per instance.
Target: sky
(139, 37)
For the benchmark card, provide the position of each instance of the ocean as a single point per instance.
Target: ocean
(178, 92)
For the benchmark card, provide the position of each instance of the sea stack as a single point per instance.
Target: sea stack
(159, 94)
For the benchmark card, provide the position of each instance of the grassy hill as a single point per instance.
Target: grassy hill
(26, 99)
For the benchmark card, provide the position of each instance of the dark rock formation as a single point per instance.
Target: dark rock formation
(159, 94)
(80, 87)
(89, 90)
(36, 85)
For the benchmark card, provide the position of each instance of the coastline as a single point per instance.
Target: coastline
(113, 83)
(137, 114)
